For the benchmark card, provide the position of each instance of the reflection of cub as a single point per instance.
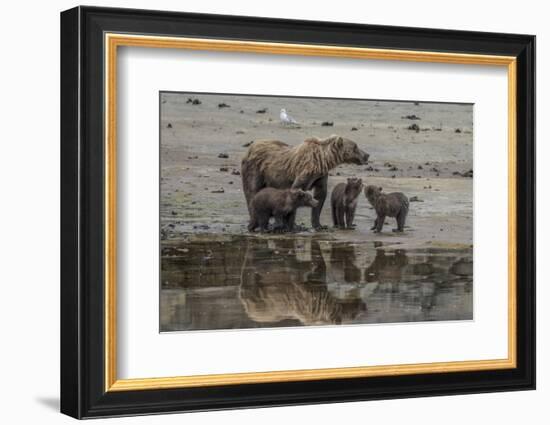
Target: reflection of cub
(387, 268)
(280, 204)
(283, 288)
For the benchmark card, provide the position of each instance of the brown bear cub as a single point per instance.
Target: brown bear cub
(344, 202)
(394, 204)
(279, 204)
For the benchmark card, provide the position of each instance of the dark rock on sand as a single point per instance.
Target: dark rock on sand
(224, 169)
(458, 130)
(414, 127)
(220, 190)
(223, 155)
(201, 226)
(169, 125)
(411, 117)
(261, 111)
(353, 128)
(327, 123)
(248, 144)
(223, 105)
(236, 172)
(415, 199)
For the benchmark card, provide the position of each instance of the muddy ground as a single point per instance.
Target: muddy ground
(201, 190)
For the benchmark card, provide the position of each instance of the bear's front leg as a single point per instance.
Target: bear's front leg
(290, 222)
(279, 225)
(319, 194)
(307, 182)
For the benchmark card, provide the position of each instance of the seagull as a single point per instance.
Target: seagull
(286, 119)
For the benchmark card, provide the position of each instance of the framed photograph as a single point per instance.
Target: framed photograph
(261, 212)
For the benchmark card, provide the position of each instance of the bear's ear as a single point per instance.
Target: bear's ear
(349, 179)
(380, 188)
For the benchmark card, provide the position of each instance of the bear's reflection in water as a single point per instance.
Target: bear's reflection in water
(253, 282)
(281, 287)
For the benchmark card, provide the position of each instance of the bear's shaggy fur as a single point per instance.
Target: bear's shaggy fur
(344, 202)
(271, 163)
(394, 204)
(280, 204)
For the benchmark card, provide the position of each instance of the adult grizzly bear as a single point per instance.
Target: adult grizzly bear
(271, 163)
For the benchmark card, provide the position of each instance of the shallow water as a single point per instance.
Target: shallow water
(239, 282)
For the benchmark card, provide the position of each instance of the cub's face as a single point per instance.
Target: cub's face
(301, 198)
(354, 187)
(351, 152)
(372, 191)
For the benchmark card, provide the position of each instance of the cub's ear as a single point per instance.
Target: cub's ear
(380, 188)
(349, 179)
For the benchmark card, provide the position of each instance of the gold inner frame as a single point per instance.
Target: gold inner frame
(113, 41)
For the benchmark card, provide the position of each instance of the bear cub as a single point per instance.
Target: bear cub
(344, 202)
(394, 204)
(279, 204)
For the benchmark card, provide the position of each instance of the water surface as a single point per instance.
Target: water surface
(237, 282)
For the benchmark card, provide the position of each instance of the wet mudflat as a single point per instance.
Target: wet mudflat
(243, 282)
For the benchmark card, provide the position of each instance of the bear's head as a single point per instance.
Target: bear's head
(354, 187)
(372, 192)
(349, 151)
(301, 198)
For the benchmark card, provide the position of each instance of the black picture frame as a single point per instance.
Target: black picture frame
(83, 392)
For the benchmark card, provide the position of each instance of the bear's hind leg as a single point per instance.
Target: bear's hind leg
(252, 182)
(340, 217)
(375, 224)
(401, 221)
(379, 223)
